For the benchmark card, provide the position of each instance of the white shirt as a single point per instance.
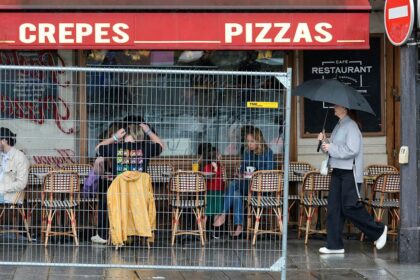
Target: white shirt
(4, 161)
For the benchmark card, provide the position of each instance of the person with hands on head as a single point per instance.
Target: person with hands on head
(345, 152)
(132, 154)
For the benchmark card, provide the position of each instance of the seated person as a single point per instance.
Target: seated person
(133, 154)
(257, 155)
(14, 168)
(209, 160)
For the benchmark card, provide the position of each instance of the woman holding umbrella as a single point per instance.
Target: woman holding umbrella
(345, 157)
(345, 151)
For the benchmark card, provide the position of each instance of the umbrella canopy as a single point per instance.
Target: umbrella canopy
(335, 92)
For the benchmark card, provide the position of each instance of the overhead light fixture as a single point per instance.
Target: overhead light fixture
(266, 57)
(136, 54)
(190, 56)
(97, 55)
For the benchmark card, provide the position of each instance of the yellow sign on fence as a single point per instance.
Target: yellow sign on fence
(267, 105)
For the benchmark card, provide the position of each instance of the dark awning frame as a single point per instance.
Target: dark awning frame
(188, 5)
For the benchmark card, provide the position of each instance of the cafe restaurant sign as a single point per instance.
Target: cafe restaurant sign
(184, 31)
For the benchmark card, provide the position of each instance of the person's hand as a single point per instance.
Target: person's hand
(120, 133)
(237, 173)
(144, 126)
(214, 165)
(321, 136)
(325, 147)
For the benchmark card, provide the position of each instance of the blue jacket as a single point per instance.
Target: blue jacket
(264, 161)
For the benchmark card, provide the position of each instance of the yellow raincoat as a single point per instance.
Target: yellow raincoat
(131, 207)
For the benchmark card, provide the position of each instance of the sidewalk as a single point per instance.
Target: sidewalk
(361, 261)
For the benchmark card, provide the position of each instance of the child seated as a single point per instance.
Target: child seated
(209, 160)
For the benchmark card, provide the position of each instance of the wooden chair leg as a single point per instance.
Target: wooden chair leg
(249, 222)
(73, 225)
(49, 222)
(279, 219)
(308, 223)
(25, 223)
(175, 221)
(257, 224)
(200, 225)
(203, 224)
(301, 215)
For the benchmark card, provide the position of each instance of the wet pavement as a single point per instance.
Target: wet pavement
(361, 261)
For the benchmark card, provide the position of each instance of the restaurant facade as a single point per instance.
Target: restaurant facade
(341, 40)
(317, 39)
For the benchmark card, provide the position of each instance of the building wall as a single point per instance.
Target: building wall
(41, 110)
(374, 147)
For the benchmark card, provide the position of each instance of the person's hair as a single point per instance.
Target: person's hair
(353, 115)
(207, 152)
(136, 131)
(8, 135)
(136, 120)
(259, 139)
(112, 129)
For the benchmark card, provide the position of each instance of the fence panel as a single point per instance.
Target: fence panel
(145, 168)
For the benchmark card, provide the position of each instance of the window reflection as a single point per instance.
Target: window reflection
(187, 110)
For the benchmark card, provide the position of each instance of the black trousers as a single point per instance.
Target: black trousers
(343, 203)
(103, 223)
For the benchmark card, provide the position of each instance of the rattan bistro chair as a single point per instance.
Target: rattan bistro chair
(385, 197)
(188, 192)
(161, 173)
(91, 202)
(15, 208)
(61, 191)
(302, 167)
(370, 173)
(264, 198)
(314, 188)
(34, 188)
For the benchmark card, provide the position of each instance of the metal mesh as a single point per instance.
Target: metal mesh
(200, 135)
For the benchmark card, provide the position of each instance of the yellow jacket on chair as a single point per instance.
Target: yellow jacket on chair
(131, 207)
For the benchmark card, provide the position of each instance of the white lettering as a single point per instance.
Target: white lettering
(71, 33)
(232, 29)
(100, 32)
(83, 30)
(63, 32)
(284, 27)
(320, 28)
(118, 29)
(23, 36)
(46, 30)
(264, 31)
(302, 32)
(248, 33)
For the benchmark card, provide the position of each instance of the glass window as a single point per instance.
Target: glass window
(185, 110)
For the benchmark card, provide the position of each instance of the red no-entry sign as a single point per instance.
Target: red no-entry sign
(399, 20)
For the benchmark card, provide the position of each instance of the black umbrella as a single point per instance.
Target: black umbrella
(335, 92)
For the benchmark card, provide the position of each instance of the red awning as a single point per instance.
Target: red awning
(183, 5)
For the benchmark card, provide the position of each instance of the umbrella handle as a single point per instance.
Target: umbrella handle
(323, 131)
(319, 146)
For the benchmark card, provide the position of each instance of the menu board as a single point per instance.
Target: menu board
(360, 69)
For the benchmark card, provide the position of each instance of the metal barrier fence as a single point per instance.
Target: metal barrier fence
(145, 168)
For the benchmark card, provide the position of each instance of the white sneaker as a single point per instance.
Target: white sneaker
(98, 239)
(380, 243)
(325, 250)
